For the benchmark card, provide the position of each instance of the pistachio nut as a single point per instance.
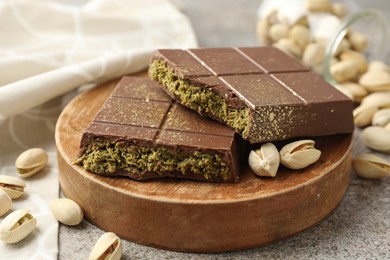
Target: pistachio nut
(278, 31)
(289, 47)
(370, 166)
(387, 127)
(377, 65)
(356, 57)
(16, 226)
(363, 114)
(359, 41)
(299, 154)
(262, 30)
(5, 202)
(313, 54)
(302, 21)
(344, 91)
(272, 17)
(12, 185)
(319, 6)
(344, 70)
(31, 161)
(300, 35)
(265, 161)
(344, 45)
(377, 138)
(66, 211)
(357, 92)
(108, 247)
(380, 99)
(382, 117)
(375, 80)
(339, 9)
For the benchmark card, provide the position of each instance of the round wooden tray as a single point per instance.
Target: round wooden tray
(196, 216)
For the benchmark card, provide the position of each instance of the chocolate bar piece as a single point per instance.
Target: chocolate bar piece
(260, 92)
(142, 133)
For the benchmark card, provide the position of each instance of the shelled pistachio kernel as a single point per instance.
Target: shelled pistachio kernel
(13, 186)
(16, 226)
(299, 154)
(31, 161)
(264, 161)
(5, 202)
(66, 211)
(370, 166)
(108, 247)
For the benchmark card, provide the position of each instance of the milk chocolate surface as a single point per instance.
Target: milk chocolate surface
(142, 133)
(276, 96)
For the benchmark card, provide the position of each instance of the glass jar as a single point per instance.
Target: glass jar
(329, 24)
(370, 23)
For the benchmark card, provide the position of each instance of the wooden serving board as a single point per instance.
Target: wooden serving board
(196, 216)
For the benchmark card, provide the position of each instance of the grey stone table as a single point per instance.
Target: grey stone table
(358, 229)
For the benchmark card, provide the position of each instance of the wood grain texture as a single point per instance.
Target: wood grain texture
(196, 216)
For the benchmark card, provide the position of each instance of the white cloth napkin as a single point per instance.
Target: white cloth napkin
(48, 48)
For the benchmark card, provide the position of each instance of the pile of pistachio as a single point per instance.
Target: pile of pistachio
(366, 83)
(265, 161)
(18, 224)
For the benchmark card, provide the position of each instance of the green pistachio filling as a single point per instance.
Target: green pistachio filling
(200, 99)
(105, 158)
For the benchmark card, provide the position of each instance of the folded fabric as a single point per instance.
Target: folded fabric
(48, 48)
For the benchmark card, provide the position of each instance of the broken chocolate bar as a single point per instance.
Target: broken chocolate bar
(142, 133)
(260, 92)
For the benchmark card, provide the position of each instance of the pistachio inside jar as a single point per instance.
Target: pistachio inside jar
(344, 39)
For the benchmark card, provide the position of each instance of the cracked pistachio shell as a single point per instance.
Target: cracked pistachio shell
(265, 161)
(377, 138)
(387, 127)
(31, 161)
(370, 166)
(5, 202)
(299, 154)
(108, 247)
(12, 185)
(382, 117)
(362, 115)
(66, 211)
(16, 226)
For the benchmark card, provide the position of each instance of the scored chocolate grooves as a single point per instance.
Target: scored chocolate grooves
(162, 125)
(231, 88)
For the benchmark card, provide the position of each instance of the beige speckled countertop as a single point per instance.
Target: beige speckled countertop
(358, 229)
